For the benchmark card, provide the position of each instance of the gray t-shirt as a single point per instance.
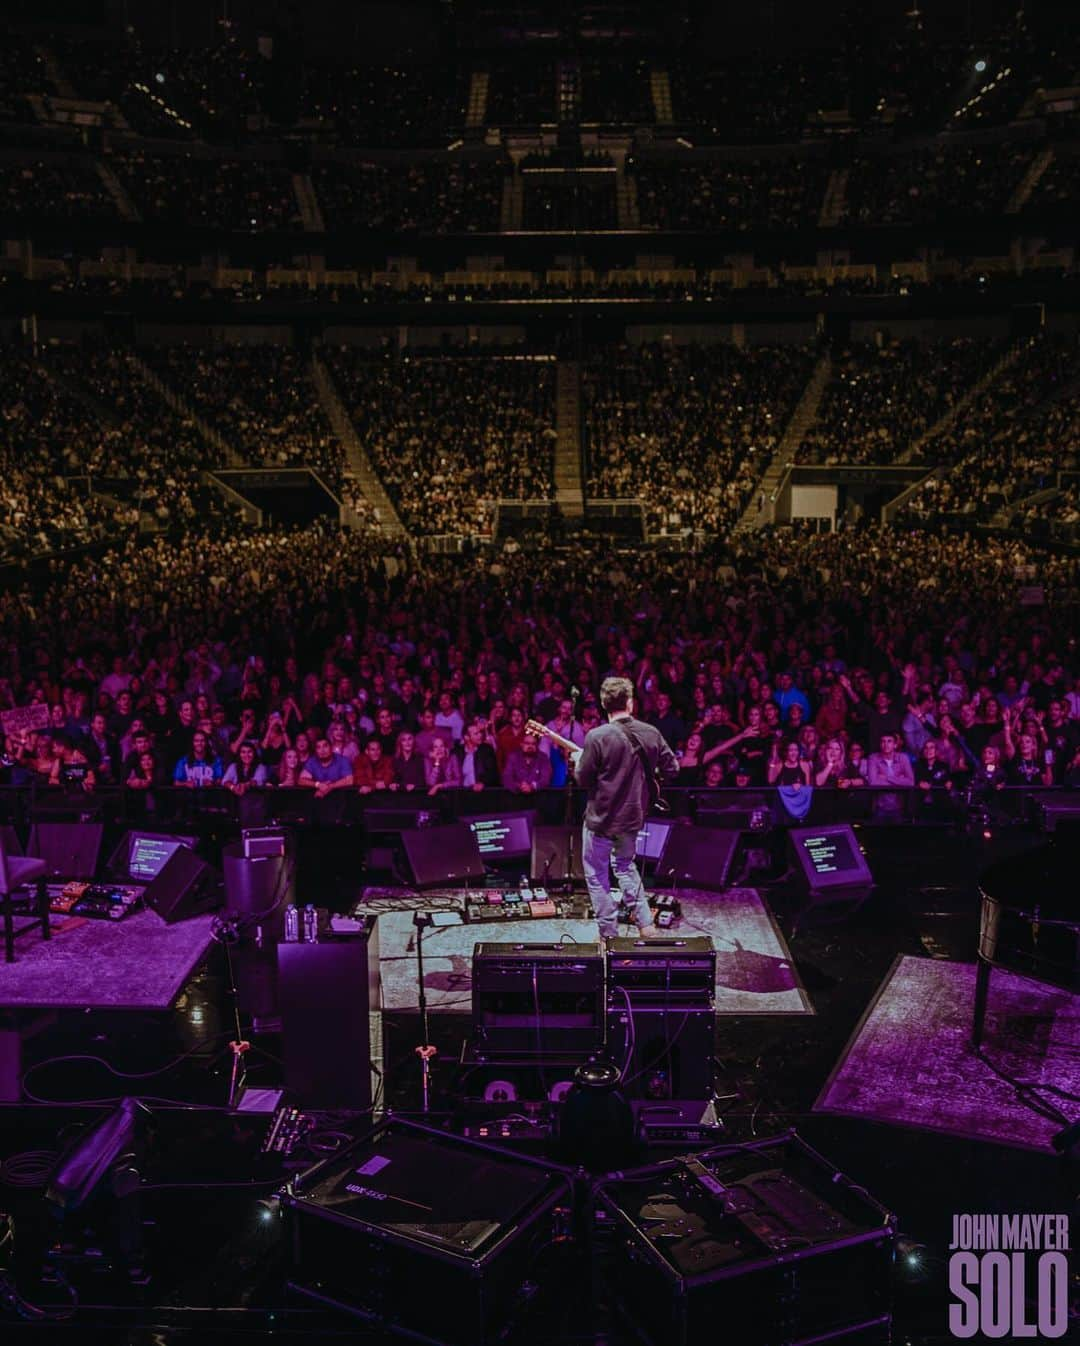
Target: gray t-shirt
(611, 771)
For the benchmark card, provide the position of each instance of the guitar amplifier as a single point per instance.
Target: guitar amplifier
(671, 971)
(537, 998)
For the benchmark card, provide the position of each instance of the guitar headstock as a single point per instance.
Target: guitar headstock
(535, 728)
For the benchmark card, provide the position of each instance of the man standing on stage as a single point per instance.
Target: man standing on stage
(617, 766)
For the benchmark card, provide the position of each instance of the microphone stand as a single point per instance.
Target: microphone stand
(568, 799)
(421, 920)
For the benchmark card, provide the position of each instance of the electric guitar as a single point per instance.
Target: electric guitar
(573, 752)
(538, 730)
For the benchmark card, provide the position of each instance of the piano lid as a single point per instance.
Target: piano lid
(1045, 880)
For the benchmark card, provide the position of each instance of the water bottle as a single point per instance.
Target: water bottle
(292, 924)
(311, 924)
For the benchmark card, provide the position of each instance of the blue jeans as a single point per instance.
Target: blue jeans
(599, 855)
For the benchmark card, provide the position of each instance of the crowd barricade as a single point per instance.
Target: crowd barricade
(217, 810)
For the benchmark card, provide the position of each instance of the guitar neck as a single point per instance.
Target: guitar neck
(535, 727)
(566, 744)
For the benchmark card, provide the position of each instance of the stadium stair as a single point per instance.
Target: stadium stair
(834, 206)
(63, 86)
(310, 213)
(358, 464)
(759, 508)
(976, 390)
(229, 456)
(476, 109)
(568, 475)
(1027, 184)
(660, 88)
(512, 209)
(626, 197)
(117, 191)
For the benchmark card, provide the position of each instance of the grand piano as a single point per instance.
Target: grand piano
(1030, 921)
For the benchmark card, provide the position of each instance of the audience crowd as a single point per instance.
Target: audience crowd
(917, 187)
(570, 201)
(260, 398)
(881, 396)
(444, 197)
(758, 195)
(1009, 442)
(688, 429)
(615, 88)
(520, 93)
(72, 476)
(449, 436)
(323, 660)
(244, 195)
(405, 105)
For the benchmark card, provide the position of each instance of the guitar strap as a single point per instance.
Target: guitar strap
(651, 784)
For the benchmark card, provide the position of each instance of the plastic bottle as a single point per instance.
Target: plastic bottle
(311, 924)
(292, 924)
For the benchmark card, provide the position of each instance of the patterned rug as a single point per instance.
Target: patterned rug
(910, 1060)
(137, 963)
(754, 971)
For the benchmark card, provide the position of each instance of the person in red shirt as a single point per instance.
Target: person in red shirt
(508, 740)
(373, 770)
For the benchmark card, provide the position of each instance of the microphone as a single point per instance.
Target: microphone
(574, 694)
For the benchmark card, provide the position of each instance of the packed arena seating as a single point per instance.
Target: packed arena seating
(260, 398)
(1011, 442)
(758, 101)
(245, 195)
(60, 187)
(918, 186)
(688, 429)
(366, 106)
(451, 196)
(450, 436)
(194, 93)
(615, 88)
(139, 450)
(1060, 183)
(759, 195)
(570, 201)
(881, 398)
(520, 93)
(22, 72)
(44, 442)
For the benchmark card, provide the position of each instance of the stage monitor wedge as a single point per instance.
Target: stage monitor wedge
(185, 886)
(503, 836)
(70, 850)
(550, 863)
(697, 857)
(830, 858)
(441, 856)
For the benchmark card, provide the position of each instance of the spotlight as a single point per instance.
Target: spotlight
(267, 1210)
(912, 1260)
(159, 78)
(980, 66)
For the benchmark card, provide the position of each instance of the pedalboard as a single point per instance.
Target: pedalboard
(288, 1129)
(99, 901)
(522, 904)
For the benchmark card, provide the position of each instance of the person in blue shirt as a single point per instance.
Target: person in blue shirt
(788, 695)
(199, 768)
(326, 770)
